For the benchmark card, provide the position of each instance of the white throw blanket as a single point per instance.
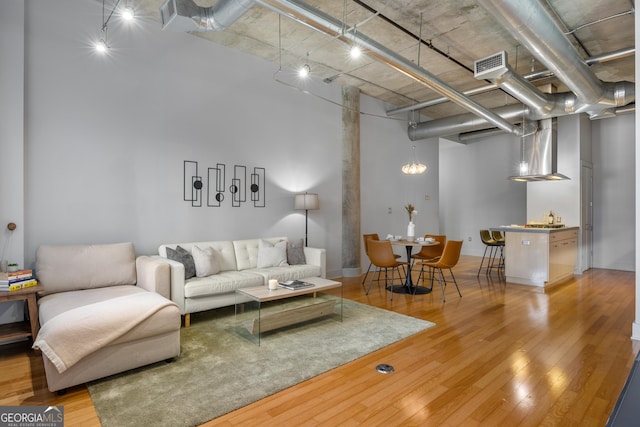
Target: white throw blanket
(70, 336)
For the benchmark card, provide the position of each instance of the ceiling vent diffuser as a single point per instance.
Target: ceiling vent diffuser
(491, 67)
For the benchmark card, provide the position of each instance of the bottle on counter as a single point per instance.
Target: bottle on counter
(550, 218)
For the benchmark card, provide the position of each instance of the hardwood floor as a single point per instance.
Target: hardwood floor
(501, 355)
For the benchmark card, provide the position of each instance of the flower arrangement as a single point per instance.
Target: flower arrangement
(411, 210)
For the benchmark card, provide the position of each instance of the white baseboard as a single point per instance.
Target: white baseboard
(635, 331)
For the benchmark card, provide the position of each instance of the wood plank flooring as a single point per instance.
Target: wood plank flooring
(502, 355)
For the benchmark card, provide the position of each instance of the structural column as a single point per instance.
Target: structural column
(350, 182)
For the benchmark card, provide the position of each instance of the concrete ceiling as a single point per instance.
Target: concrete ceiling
(444, 37)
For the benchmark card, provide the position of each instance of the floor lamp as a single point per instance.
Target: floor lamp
(306, 201)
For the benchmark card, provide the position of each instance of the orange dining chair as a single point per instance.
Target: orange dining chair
(447, 261)
(430, 253)
(366, 238)
(382, 256)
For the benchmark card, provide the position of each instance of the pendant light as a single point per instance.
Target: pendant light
(414, 167)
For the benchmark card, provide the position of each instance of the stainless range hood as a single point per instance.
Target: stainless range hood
(538, 160)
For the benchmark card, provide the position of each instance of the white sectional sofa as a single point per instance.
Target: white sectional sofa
(241, 263)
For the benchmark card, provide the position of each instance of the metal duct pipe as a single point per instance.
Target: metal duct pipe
(606, 57)
(326, 24)
(186, 15)
(530, 24)
(527, 23)
(465, 123)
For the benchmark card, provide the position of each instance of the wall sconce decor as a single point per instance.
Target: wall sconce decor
(192, 183)
(257, 187)
(215, 193)
(238, 187)
(215, 186)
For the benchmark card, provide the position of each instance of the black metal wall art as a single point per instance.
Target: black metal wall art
(215, 188)
(192, 183)
(257, 187)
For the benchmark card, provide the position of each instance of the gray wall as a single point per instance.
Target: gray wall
(475, 193)
(474, 175)
(11, 140)
(614, 193)
(106, 138)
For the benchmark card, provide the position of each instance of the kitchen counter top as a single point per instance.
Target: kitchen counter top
(525, 229)
(539, 257)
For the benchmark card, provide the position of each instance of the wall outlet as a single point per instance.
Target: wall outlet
(389, 210)
(427, 197)
(469, 238)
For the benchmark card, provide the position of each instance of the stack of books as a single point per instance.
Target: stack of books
(17, 280)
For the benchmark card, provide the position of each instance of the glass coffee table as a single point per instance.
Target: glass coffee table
(260, 310)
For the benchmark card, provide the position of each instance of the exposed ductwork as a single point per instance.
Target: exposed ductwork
(189, 17)
(606, 57)
(186, 15)
(530, 24)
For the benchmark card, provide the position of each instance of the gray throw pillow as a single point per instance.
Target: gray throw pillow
(295, 253)
(182, 255)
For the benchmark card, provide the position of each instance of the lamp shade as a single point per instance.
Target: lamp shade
(306, 201)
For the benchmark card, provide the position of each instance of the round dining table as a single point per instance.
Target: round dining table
(409, 287)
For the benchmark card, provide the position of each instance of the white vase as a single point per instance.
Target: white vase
(411, 231)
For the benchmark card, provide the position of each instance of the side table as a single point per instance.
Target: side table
(17, 330)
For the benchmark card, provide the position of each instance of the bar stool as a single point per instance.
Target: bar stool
(491, 244)
(498, 237)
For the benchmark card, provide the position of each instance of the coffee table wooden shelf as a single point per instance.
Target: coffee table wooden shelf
(255, 316)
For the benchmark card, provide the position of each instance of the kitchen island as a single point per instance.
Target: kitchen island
(539, 256)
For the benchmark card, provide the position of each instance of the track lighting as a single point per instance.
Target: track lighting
(355, 51)
(101, 46)
(305, 70)
(127, 13)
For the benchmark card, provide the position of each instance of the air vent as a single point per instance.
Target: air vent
(491, 67)
(180, 15)
(167, 11)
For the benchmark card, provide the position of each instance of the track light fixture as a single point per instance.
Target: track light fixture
(127, 13)
(101, 45)
(355, 50)
(305, 70)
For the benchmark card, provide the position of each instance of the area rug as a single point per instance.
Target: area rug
(218, 371)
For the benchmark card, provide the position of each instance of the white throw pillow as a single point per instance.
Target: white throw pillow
(206, 261)
(270, 255)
